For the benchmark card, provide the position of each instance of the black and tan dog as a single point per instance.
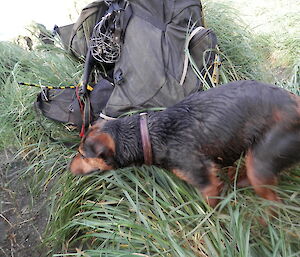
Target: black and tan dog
(202, 133)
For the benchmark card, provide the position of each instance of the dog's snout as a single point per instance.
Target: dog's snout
(83, 166)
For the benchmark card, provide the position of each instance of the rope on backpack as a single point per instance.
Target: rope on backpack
(90, 88)
(216, 70)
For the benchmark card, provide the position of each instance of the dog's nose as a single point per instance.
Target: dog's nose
(76, 165)
(80, 166)
(74, 169)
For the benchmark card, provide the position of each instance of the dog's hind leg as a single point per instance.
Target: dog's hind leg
(279, 149)
(260, 179)
(204, 179)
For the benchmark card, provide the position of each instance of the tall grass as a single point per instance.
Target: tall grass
(20, 125)
(144, 211)
(240, 53)
(149, 211)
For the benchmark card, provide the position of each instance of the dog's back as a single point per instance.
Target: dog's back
(242, 100)
(229, 119)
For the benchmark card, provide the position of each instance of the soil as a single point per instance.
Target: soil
(23, 218)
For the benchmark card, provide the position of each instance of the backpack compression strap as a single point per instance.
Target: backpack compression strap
(216, 63)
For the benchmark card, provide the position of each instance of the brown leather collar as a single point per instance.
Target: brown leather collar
(147, 149)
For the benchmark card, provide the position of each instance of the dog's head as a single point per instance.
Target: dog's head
(96, 152)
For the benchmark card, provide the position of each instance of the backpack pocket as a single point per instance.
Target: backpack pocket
(60, 105)
(202, 50)
(63, 105)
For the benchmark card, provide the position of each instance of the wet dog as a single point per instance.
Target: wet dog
(205, 131)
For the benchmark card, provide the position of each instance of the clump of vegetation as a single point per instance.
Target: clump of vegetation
(241, 58)
(146, 210)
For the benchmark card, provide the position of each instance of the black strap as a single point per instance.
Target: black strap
(86, 119)
(88, 67)
(124, 20)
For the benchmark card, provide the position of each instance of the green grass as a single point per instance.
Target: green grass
(147, 210)
(241, 56)
(20, 125)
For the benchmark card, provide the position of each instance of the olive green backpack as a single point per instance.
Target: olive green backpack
(148, 54)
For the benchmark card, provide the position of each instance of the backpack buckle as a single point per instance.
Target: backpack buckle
(118, 77)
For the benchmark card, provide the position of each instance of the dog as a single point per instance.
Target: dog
(203, 133)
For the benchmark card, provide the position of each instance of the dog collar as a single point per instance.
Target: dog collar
(147, 149)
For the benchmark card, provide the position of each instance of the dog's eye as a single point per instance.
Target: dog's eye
(101, 156)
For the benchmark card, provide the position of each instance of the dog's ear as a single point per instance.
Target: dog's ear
(100, 145)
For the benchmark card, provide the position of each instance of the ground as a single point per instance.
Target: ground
(22, 218)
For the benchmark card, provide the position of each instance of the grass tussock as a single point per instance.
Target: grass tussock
(21, 127)
(147, 211)
(239, 50)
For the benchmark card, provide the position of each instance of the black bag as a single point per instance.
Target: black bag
(66, 105)
(160, 49)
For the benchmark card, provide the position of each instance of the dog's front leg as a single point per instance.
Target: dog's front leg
(210, 190)
(204, 179)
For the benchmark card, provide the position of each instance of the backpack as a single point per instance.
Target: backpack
(152, 54)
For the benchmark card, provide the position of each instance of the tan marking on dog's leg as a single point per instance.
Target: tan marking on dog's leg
(242, 180)
(209, 191)
(258, 181)
(212, 190)
(182, 175)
